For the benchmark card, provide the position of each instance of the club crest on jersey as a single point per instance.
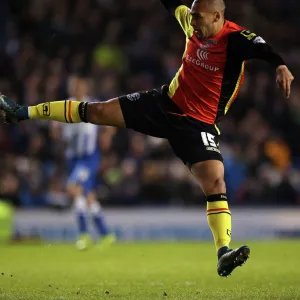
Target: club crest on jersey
(259, 40)
(134, 96)
(206, 44)
(202, 54)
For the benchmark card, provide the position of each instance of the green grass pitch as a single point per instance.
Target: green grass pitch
(147, 271)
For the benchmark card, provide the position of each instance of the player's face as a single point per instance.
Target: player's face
(204, 20)
(77, 88)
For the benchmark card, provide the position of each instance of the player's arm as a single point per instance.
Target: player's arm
(181, 13)
(251, 46)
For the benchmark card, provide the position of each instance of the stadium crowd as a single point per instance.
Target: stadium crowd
(126, 46)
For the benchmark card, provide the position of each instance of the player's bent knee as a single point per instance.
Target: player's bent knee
(213, 185)
(219, 185)
(91, 198)
(210, 176)
(74, 190)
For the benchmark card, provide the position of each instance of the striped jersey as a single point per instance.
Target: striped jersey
(212, 70)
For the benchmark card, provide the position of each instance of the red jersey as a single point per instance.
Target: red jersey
(212, 70)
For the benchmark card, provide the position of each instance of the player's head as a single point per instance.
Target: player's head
(78, 86)
(207, 17)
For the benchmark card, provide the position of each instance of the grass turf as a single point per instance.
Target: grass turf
(147, 271)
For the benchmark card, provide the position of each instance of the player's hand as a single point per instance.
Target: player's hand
(284, 79)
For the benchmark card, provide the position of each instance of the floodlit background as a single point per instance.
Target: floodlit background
(126, 46)
(148, 194)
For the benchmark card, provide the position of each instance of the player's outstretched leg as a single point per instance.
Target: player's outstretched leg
(65, 111)
(210, 175)
(108, 238)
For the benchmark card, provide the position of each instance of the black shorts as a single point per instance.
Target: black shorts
(154, 113)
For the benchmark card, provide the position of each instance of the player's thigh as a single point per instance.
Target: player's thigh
(146, 112)
(80, 177)
(141, 111)
(201, 154)
(89, 186)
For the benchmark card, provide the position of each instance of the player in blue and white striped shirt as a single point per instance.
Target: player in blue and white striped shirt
(84, 156)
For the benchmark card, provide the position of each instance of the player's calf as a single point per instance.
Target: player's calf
(104, 113)
(108, 238)
(210, 175)
(75, 191)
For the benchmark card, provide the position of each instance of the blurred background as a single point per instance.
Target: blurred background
(124, 47)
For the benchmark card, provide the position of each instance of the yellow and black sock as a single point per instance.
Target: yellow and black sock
(66, 111)
(219, 220)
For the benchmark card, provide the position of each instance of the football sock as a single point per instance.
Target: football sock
(66, 111)
(81, 214)
(219, 221)
(98, 218)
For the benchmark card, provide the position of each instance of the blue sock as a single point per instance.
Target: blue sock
(81, 213)
(82, 222)
(100, 224)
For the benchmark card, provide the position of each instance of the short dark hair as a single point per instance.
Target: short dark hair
(220, 4)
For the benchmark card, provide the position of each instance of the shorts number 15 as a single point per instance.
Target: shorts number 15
(208, 139)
